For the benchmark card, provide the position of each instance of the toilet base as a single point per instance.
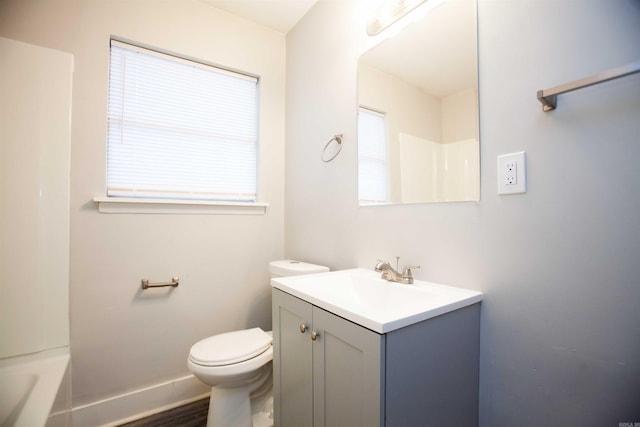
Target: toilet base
(262, 410)
(229, 407)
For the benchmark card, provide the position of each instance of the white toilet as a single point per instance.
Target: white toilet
(237, 364)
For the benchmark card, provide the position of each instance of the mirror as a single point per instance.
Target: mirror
(418, 131)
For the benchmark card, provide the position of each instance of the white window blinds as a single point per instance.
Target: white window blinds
(372, 157)
(179, 129)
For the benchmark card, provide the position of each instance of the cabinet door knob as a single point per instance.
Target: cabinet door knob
(303, 328)
(314, 335)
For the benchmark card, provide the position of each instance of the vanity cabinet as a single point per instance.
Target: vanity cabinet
(331, 372)
(326, 369)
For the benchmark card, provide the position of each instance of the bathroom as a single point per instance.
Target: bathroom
(557, 265)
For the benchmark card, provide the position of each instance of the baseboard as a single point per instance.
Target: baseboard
(139, 403)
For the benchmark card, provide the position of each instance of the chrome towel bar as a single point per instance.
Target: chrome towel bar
(175, 281)
(549, 97)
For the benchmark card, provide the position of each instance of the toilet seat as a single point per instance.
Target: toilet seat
(230, 348)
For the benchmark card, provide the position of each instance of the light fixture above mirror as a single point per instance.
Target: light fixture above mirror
(392, 11)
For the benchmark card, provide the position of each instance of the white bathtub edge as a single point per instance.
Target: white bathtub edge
(50, 366)
(139, 403)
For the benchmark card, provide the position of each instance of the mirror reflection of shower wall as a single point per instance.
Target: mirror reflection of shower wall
(425, 80)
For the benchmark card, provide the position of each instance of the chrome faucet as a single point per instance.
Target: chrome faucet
(389, 273)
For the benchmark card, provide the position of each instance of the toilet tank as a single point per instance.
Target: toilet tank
(288, 267)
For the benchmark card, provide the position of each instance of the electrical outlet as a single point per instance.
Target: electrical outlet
(511, 173)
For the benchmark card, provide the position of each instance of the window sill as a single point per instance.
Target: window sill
(123, 205)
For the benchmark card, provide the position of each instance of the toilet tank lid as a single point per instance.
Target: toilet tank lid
(289, 267)
(230, 347)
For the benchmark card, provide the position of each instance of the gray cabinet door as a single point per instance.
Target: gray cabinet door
(348, 373)
(292, 361)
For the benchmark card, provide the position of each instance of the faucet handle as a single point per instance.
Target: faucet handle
(406, 273)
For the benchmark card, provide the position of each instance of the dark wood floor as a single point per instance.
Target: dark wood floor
(190, 415)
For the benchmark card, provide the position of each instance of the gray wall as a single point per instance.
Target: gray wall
(559, 265)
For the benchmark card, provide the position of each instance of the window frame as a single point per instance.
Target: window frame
(125, 204)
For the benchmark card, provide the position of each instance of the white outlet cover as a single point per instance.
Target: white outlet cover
(520, 185)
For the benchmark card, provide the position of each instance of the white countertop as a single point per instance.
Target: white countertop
(359, 295)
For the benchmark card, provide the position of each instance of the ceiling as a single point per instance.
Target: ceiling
(279, 15)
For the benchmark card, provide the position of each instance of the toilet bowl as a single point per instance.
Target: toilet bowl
(237, 365)
(234, 364)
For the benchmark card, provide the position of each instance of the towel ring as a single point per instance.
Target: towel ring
(338, 140)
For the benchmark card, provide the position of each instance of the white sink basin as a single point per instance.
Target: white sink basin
(359, 295)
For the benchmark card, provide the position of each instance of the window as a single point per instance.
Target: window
(179, 129)
(372, 157)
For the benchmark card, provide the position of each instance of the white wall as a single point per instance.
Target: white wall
(559, 264)
(420, 161)
(460, 116)
(123, 338)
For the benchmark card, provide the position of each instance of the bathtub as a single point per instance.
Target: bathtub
(29, 385)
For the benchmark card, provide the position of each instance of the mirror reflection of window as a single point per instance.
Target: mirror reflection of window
(373, 168)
